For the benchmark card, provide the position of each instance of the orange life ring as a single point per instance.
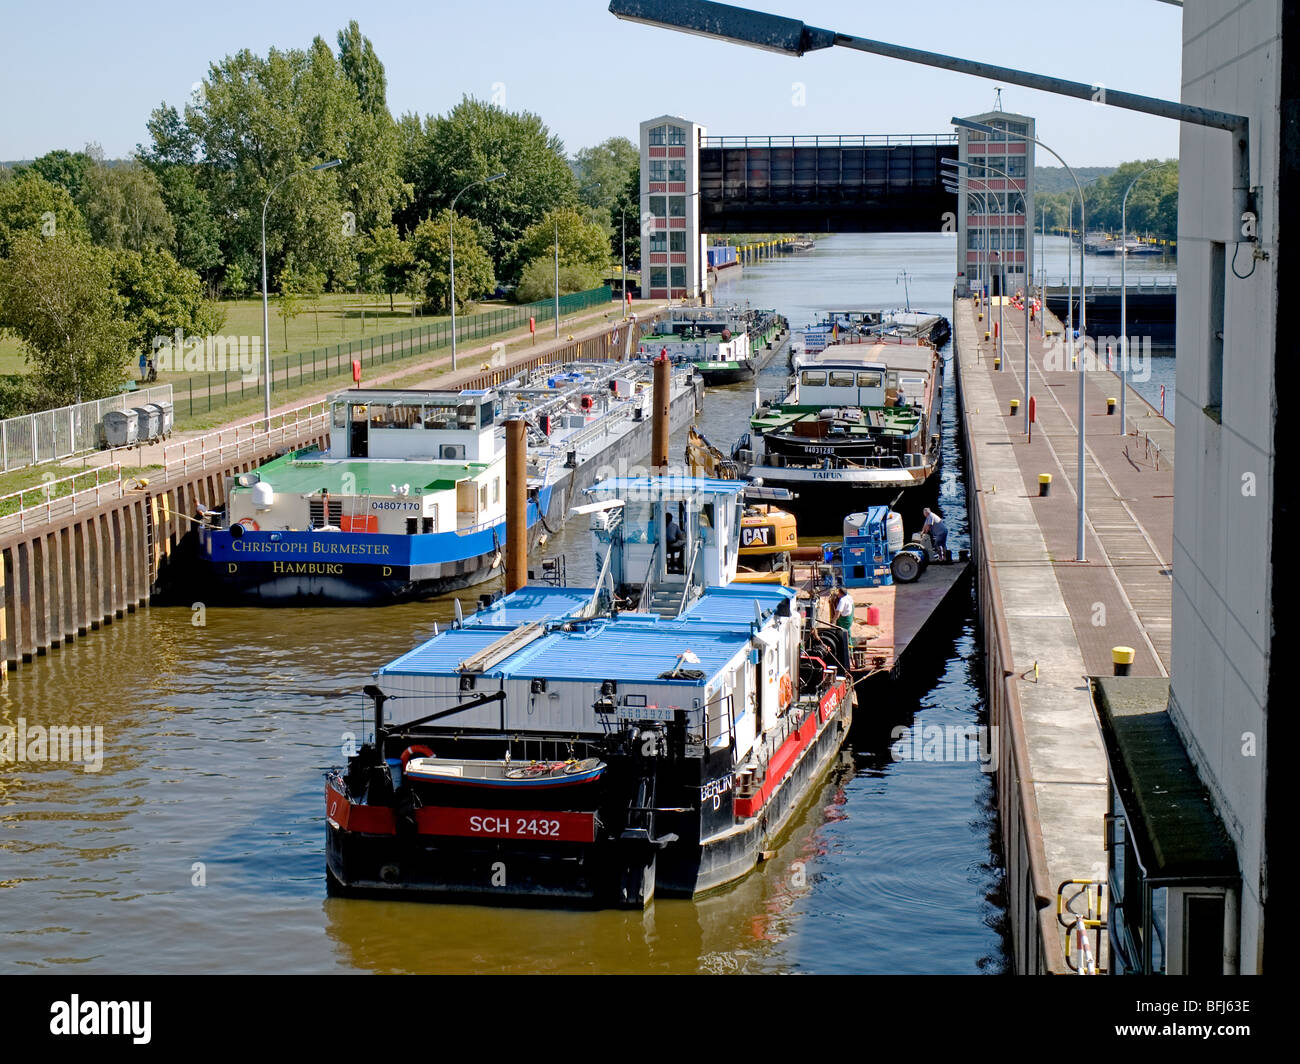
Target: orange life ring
(786, 691)
(248, 524)
(412, 751)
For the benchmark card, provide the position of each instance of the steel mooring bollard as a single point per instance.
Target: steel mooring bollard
(1110, 405)
(1015, 405)
(1044, 485)
(1122, 659)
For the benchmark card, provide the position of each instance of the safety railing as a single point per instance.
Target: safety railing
(63, 497)
(1142, 282)
(247, 437)
(48, 435)
(1082, 956)
(834, 140)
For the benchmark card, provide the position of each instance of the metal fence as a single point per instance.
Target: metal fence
(205, 393)
(52, 434)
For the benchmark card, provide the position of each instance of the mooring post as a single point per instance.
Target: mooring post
(659, 437)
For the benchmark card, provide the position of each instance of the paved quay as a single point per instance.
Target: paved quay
(1062, 616)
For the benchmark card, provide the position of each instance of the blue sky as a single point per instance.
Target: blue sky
(79, 72)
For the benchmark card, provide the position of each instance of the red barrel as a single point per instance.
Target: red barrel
(873, 615)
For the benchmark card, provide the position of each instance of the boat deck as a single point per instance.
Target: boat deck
(905, 609)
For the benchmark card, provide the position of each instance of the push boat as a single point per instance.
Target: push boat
(407, 501)
(649, 736)
(725, 344)
(840, 438)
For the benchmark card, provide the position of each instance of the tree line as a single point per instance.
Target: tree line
(99, 257)
(1152, 204)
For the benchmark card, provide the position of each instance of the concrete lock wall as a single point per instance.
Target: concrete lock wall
(1030, 897)
(68, 577)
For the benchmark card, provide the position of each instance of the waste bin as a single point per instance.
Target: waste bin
(120, 428)
(168, 415)
(149, 427)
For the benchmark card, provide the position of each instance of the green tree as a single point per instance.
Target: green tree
(538, 279)
(236, 283)
(475, 139)
(625, 219)
(124, 209)
(197, 243)
(288, 302)
(313, 293)
(430, 246)
(66, 168)
(602, 172)
(385, 259)
(159, 296)
(30, 204)
(57, 298)
(582, 243)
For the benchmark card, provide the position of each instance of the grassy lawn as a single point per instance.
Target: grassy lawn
(30, 482)
(341, 317)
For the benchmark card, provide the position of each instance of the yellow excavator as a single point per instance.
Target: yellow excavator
(768, 534)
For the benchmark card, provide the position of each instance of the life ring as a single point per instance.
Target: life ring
(586, 402)
(786, 691)
(248, 524)
(412, 751)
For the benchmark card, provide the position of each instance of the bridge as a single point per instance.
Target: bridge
(693, 184)
(1151, 305)
(842, 184)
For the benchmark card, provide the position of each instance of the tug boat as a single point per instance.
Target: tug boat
(841, 438)
(648, 736)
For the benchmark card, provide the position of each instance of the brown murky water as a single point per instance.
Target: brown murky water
(199, 845)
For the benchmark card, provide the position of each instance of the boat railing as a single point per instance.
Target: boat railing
(720, 721)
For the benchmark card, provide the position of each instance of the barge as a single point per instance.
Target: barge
(860, 425)
(407, 501)
(649, 736)
(725, 344)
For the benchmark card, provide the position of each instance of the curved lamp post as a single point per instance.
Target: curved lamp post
(266, 321)
(1123, 298)
(452, 233)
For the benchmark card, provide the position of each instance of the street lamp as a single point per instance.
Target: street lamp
(775, 33)
(452, 231)
(266, 321)
(1123, 299)
(1002, 134)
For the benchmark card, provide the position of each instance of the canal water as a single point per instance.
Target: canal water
(199, 844)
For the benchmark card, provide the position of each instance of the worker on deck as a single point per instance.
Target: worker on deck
(842, 608)
(675, 540)
(937, 530)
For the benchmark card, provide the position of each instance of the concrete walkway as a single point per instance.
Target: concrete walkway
(1063, 616)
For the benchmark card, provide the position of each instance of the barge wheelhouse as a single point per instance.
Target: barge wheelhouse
(407, 501)
(860, 424)
(651, 735)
